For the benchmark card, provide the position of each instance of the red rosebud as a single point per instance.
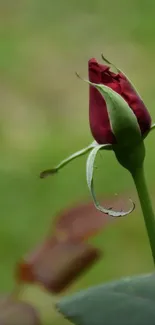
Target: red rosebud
(98, 115)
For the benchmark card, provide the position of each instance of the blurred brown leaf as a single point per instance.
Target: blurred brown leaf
(64, 255)
(84, 220)
(13, 312)
(56, 264)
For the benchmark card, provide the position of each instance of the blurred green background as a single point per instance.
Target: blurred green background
(44, 118)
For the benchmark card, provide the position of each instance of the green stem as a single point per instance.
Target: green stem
(146, 205)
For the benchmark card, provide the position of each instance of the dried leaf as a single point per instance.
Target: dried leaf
(83, 220)
(14, 312)
(55, 264)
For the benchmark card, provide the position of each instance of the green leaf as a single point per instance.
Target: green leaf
(130, 301)
(89, 176)
(64, 162)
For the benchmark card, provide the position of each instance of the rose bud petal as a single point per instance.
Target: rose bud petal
(123, 121)
(56, 264)
(98, 114)
(14, 312)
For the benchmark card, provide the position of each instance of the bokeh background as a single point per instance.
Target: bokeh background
(44, 118)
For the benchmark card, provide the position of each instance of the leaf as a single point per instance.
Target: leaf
(89, 175)
(82, 220)
(64, 162)
(14, 312)
(129, 301)
(57, 263)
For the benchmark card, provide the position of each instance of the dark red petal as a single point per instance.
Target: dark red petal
(98, 118)
(136, 104)
(98, 115)
(57, 264)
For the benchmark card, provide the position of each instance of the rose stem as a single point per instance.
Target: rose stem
(146, 205)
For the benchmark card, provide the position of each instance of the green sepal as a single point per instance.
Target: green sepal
(89, 176)
(123, 121)
(151, 129)
(64, 162)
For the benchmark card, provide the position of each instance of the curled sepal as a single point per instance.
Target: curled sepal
(89, 176)
(151, 129)
(64, 162)
(122, 119)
